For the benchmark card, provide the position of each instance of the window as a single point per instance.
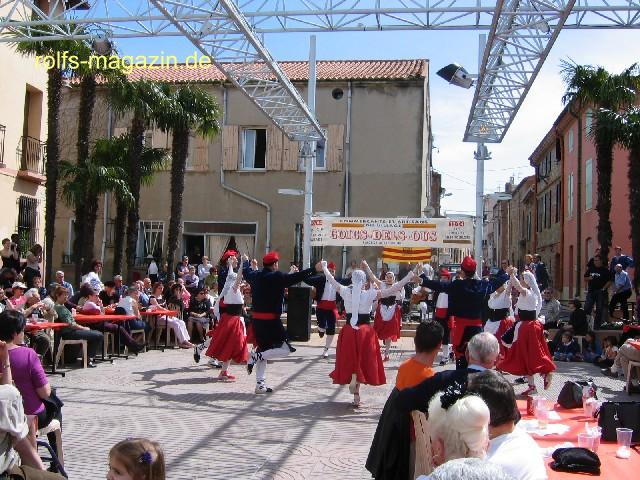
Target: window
(588, 185)
(556, 217)
(320, 156)
(529, 225)
(570, 196)
(588, 248)
(588, 122)
(27, 222)
(540, 214)
(254, 148)
(150, 239)
(570, 140)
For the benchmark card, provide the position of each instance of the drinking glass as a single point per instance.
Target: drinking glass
(624, 442)
(596, 432)
(586, 440)
(542, 412)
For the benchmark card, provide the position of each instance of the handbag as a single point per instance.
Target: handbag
(53, 406)
(614, 415)
(571, 393)
(576, 460)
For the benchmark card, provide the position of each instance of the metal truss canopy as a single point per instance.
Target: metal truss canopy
(522, 33)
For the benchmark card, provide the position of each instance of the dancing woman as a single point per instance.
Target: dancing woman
(501, 318)
(358, 357)
(527, 353)
(387, 320)
(230, 341)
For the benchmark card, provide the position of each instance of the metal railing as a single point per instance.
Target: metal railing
(3, 130)
(31, 153)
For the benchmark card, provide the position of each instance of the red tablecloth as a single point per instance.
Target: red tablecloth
(612, 467)
(159, 312)
(32, 327)
(626, 328)
(80, 318)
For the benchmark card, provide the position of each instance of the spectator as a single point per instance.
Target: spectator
(550, 309)
(183, 268)
(384, 271)
(163, 273)
(599, 279)
(143, 297)
(152, 270)
(27, 372)
(529, 264)
(458, 426)
(629, 351)
(541, 273)
(609, 352)
(590, 349)
(118, 287)
(7, 277)
(624, 260)
(185, 295)
(75, 331)
(9, 254)
(79, 297)
(352, 266)
(37, 284)
(130, 306)
(621, 291)
(211, 280)
(506, 442)
(191, 281)
(93, 277)
(4, 301)
(199, 313)
(427, 342)
(146, 285)
(32, 269)
(18, 299)
(591, 262)
(136, 459)
(203, 270)
(176, 324)
(108, 295)
(568, 350)
(502, 276)
(467, 469)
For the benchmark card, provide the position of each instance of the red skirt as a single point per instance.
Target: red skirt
(229, 341)
(505, 324)
(389, 329)
(358, 351)
(529, 353)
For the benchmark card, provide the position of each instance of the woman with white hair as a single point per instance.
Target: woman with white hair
(387, 321)
(527, 352)
(358, 357)
(458, 426)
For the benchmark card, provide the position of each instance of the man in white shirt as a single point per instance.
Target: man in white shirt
(510, 447)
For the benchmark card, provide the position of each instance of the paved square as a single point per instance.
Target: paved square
(306, 429)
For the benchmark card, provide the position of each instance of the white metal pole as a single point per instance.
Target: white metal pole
(480, 157)
(309, 155)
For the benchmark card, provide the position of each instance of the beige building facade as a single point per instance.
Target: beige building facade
(375, 162)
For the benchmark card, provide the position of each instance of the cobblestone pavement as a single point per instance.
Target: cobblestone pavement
(209, 429)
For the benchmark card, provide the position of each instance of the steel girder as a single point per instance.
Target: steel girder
(521, 35)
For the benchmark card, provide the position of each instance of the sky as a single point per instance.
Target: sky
(612, 49)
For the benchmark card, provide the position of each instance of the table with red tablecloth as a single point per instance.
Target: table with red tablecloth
(611, 468)
(100, 319)
(33, 327)
(161, 312)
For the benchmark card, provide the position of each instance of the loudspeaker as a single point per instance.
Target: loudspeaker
(299, 314)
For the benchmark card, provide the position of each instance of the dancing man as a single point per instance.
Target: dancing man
(358, 359)
(267, 294)
(230, 340)
(465, 304)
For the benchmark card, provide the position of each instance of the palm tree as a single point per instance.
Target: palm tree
(55, 77)
(188, 108)
(114, 152)
(143, 99)
(588, 85)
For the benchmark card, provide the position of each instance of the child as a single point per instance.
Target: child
(427, 341)
(590, 350)
(136, 459)
(568, 350)
(609, 352)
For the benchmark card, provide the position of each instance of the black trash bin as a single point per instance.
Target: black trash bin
(299, 314)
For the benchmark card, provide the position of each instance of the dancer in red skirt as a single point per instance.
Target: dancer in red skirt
(387, 321)
(501, 317)
(229, 340)
(527, 353)
(358, 352)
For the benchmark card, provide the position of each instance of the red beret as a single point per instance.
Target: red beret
(331, 266)
(227, 254)
(270, 258)
(445, 273)
(468, 265)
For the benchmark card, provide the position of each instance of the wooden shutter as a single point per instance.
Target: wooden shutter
(230, 143)
(274, 148)
(334, 150)
(200, 159)
(289, 154)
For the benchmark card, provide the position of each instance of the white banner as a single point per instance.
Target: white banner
(390, 232)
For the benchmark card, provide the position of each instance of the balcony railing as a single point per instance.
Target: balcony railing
(3, 130)
(31, 153)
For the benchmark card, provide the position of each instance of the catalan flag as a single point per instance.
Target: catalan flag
(406, 255)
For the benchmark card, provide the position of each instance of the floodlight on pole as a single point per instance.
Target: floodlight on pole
(456, 75)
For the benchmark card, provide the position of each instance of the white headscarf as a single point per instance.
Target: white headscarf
(530, 278)
(358, 279)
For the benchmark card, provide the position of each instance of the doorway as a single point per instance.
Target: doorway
(193, 248)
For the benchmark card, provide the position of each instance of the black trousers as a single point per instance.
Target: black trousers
(620, 298)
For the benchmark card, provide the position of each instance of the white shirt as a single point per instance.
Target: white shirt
(367, 297)
(518, 455)
(500, 300)
(329, 293)
(13, 425)
(204, 270)
(127, 304)
(93, 279)
(153, 269)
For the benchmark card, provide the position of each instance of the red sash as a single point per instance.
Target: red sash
(326, 304)
(264, 316)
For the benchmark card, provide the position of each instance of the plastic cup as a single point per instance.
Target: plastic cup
(542, 412)
(586, 440)
(589, 405)
(624, 442)
(596, 432)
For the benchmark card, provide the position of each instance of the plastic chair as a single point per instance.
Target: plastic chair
(52, 458)
(109, 341)
(630, 368)
(64, 343)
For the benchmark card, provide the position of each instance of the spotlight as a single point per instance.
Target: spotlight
(101, 44)
(456, 75)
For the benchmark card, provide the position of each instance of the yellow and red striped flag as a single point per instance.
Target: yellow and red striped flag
(406, 255)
